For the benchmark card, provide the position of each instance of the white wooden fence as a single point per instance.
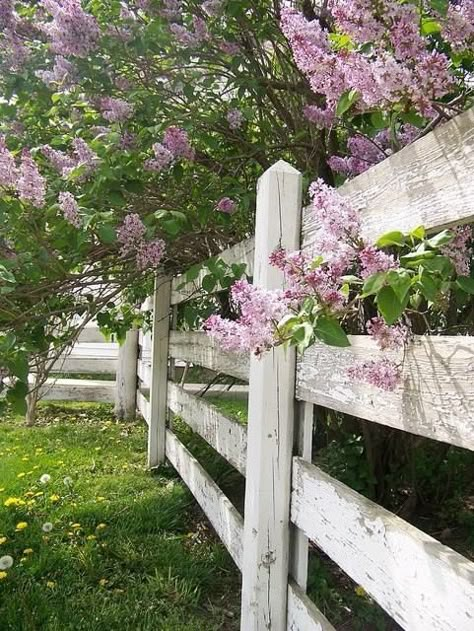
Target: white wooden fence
(421, 583)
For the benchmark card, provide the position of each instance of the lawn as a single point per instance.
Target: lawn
(97, 542)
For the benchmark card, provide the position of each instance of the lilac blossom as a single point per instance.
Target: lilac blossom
(235, 118)
(149, 255)
(84, 157)
(15, 53)
(212, 7)
(254, 329)
(172, 10)
(31, 184)
(387, 337)
(177, 142)
(458, 26)
(62, 74)
(7, 15)
(381, 373)
(162, 160)
(115, 110)
(183, 36)
(72, 31)
(131, 233)
(322, 118)
(226, 205)
(8, 169)
(373, 260)
(459, 250)
(229, 48)
(61, 161)
(69, 208)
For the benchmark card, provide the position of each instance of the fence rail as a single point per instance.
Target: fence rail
(420, 582)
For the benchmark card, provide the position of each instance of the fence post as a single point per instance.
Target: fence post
(271, 420)
(126, 378)
(159, 371)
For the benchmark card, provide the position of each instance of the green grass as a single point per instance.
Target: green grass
(153, 565)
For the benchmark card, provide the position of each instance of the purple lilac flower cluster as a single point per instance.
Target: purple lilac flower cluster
(69, 208)
(174, 146)
(226, 205)
(72, 31)
(235, 118)
(131, 236)
(254, 330)
(365, 152)
(26, 179)
(459, 250)
(396, 67)
(64, 163)
(115, 110)
(61, 76)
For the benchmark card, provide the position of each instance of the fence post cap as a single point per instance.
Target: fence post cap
(282, 166)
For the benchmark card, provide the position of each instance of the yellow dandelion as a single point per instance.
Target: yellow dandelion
(51, 584)
(54, 498)
(25, 458)
(28, 551)
(2, 489)
(21, 475)
(39, 494)
(3, 575)
(75, 526)
(14, 501)
(91, 537)
(101, 499)
(21, 525)
(29, 494)
(103, 582)
(360, 591)
(101, 527)
(3, 540)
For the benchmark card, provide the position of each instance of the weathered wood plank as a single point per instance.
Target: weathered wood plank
(303, 615)
(271, 421)
(126, 377)
(89, 358)
(420, 582)
(242, 252)
(220, 511)
(435, 398)
(78, 390)
(228, 437)
(201, 349)
(303, 448)
(143, 406)
(427, 183)
(144, 372)
(159, 372)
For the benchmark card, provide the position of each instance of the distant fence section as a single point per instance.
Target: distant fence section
(289, 502)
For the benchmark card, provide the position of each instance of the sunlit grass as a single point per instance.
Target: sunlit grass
(126, 550)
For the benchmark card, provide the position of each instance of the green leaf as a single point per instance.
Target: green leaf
(418, 233)
(106, 233)
(429, 26)
(302, 336)
(428, 286)
(209, 283)
(389, 305)
(391, 238)
(193, 272)
(440, 239)
(20, 368)
(346, 101)
(466, 283)
(440, 6)
(374, 283)
(16, 396)
(400, 282)
(329, 331)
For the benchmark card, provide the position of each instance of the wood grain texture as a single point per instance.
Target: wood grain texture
(228, 437)
(435, 398)
(220, 511)
(89, 358)
(304, 449)
(203, 350)
(78, 390)
(421, 583)
(242, 252)
(143, 406)
(159, 372)
(126, 377)
(303, 615)
(428, 183)
(271, 421)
